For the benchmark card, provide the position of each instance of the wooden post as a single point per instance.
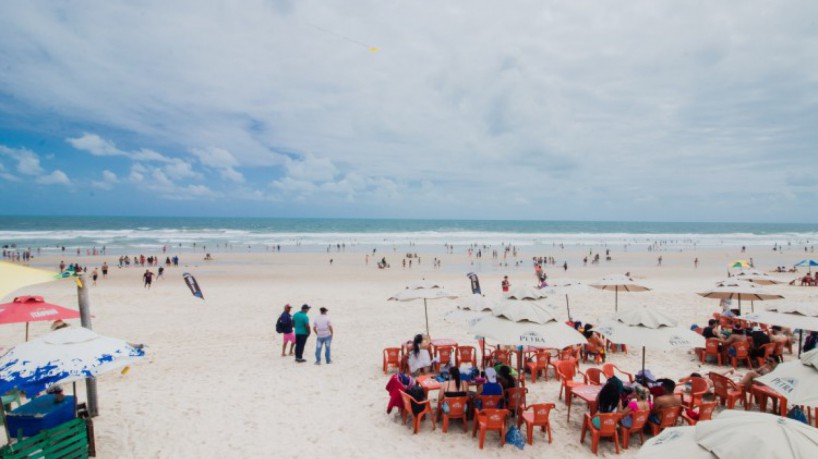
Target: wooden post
(85, 320)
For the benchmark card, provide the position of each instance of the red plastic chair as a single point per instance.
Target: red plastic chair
(593, 376)
(466, 354)
(639, 419)
(515, 401)
(610, 370)
(591, 349)
(497, 356)
(458, 409)
(489, 419)
(537, 415)
(705, 413)
(742, 354)
(540, 364)
(567, 371)
(711, 349)
(416, 419)
(668, 417)
(607, 429)
(444, 355)
(727, 391)
(487, 401)
(698, 387)
(391, 358)
(769, 351)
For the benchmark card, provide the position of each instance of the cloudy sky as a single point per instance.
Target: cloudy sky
(626, 110)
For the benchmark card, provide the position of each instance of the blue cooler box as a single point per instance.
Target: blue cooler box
(41, 413)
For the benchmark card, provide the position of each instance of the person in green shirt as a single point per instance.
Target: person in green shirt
(301, 324)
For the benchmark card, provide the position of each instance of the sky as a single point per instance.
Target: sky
(552, 110)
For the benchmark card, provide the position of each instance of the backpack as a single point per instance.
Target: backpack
(282, 324)
(797, 414)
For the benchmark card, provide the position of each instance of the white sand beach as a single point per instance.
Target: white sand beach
(213, 383)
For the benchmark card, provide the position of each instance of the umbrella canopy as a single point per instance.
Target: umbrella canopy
(422, 294)
(757, 277)
(535, 325)
(14, 277)
(674, 442)
(64, 355)
(648, 328)
(423, 284)
(796, 380)
(751, 434)
(794, 315)
(619, 284)
(743, 264)
(33, 309)
(525, 293)
(808, 262)
(734, 289)
(477, 302)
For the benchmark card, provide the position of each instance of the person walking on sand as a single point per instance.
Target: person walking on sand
(323, 336)
(105, 270)
(284, 326)
(301, 323)
(148, 278)
(95, 276)
(505, 284)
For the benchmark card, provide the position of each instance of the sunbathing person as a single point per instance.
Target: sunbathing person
(751, 375)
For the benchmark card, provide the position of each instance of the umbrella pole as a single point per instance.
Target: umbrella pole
(26, 331)
(616, 299)
(85, 320)
(752, 306)
(483, 353)
(800, 340)
(643, 360)
(739, 305)
(567, 306)
(426, 311)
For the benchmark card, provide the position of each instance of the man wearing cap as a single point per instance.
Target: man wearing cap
(285, 327)
(759, 338)
(301, 323)
(323, 332)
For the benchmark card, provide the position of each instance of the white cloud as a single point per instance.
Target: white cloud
(56, 177)
(109, 179)
(98, 146)
(179, 169)
(215, 157)
(232, 175)
(5, 175)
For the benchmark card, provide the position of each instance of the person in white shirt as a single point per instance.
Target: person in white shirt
(323, 332)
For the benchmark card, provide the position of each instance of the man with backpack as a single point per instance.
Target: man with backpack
(284, 326)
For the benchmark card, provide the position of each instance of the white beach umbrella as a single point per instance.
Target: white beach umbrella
(422, 294)
(471, 308)
(423, 284)
(64, 355)
(757, 277)
(532, 324)
(647, 327)
(674, 442)
(619, 283)
(524, 292)
(748, 434)
(734, 289)
(566, 287)
(796, 380)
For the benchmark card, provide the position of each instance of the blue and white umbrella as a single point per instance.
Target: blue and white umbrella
(64, 355)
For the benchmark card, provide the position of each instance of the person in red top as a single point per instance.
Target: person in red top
(505, 284)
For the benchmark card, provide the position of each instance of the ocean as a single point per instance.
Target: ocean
(147, 234)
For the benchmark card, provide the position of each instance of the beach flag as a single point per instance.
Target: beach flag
(475, 283)
(193, 285)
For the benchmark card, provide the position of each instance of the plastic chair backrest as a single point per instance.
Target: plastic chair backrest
(607, 422)
(502, 356)
(706, 411)
(466, 353)
(567, 353)
(594, 376)
(392, 355)
(741, 348)
(543, 359)
(516, 397)
(407, 401)
(541, 412)
(712, 346)
(444, 353)
(567, 368)
(457, 405)
(639, 419)
(719, 384)
(495, 419)
(698, 386)
(490, 401)
(669, 416)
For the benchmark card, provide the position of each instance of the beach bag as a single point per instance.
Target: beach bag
(798, 415)
(280, 326)
(515, 437)
(417, 393)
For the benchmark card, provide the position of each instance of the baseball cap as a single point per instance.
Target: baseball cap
(491, 375)
(305, 307)
(287, 306)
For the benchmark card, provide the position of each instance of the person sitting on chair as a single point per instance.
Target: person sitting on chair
(667, 400)
(419, 360)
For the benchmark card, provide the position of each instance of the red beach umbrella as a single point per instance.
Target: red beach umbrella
(33, 309)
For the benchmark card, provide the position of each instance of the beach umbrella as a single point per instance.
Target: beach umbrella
(425, 295)
(524, 293)
(64, 355)
(757, 277)
(752, 434)
(647, 327)
(423, 284)
(14, 277)
(796, 380)
(808, 262)
(741, 264)
(471, 307)
(674, 442)
(33, 309)
(619, 284)
(565, 287)
(734, 289)
(801, 316)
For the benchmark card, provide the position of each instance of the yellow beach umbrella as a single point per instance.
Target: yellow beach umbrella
(742, 264)
(14, 277)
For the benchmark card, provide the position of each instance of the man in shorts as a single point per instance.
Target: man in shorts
(284, 326)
